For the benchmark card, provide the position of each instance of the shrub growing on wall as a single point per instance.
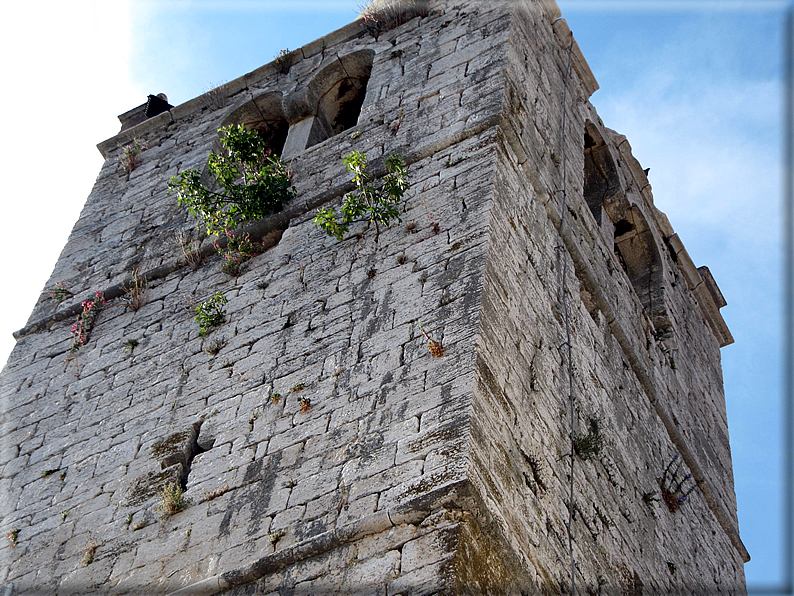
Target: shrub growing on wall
(366, 202)
(251, 182)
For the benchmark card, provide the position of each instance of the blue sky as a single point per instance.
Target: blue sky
(695, 85)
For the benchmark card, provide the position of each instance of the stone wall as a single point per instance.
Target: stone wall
(408, 473)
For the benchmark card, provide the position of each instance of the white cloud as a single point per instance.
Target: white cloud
(65, 65)
(713, 149)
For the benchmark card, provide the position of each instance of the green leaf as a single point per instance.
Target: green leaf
(251, 183)
(366, 202)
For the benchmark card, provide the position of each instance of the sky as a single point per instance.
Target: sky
(696, 86)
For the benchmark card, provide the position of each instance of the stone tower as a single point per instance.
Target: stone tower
(510, 464)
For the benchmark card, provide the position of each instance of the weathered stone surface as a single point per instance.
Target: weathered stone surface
(407, 473)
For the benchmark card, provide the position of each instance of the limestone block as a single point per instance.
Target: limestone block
(287, 517)
(420, 582)
(314, 486)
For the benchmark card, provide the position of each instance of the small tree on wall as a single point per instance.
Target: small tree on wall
(366, 203)
(252, 182)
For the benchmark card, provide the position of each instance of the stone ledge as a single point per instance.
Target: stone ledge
(259, 229)
(564, 37)
(411, 512)
(705, 290)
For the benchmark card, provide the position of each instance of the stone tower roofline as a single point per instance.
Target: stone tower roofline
(233, 88)
(345, 33)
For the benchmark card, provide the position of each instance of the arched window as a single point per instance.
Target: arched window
(330, 103)
(623, 225)
(340, 88)
(601, 180)
(638, 254)
(265, 115)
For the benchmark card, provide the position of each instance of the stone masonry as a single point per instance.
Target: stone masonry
(407, 473)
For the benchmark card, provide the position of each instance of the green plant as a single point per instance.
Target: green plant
(172, 499)
(215, 347)
(81, 330)
(192, 256)
(60, 292)
(216, 98)
(13, 536)
(62, 475)
(49, 472)
(130, 345)
(88, 553)
(129, 155)
(383, 15)
(128, 519)
(275, 397)
(589, 445)
(253, 182)
(298, 387)
(367, 203)
(211, 314)
(135, 292)
(301, 271)
(373, 25)
(239, 250)
(64, 513)
(305, 403)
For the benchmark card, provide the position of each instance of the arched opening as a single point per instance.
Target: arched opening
(638, 254)
(340, 89)
(329, 103)
(265, 115)
(601, 180)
